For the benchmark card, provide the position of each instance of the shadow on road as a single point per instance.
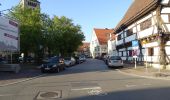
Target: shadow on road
(91, 65)
(27, 71)
(133, 94)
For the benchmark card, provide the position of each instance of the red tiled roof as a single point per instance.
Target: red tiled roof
(103, 35)
(137, 9)
(84, 45)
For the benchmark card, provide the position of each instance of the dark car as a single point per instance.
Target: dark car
(54, 64)
(82, 58)
(3, 61)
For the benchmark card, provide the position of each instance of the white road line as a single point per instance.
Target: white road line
(22, 80)
(6, 95)
(147, 84)
(129, 86)
(148, 77)
(91, 88)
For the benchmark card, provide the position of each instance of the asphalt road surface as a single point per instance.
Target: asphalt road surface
(91, 80)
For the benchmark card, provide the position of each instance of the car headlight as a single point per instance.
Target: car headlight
(54, 66)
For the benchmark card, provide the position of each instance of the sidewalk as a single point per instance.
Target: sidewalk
(28, 71)
(149, 72)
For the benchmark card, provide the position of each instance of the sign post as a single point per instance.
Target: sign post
(135, 46)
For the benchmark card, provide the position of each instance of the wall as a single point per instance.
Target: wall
(9, 37)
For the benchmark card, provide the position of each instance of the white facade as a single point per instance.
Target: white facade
(112, 47)
(9, 37)
(124, 43)
(97, 49)
(94, 45)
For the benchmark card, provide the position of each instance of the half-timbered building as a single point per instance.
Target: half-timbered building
(148, 23)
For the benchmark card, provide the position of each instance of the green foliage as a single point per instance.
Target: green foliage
(67, 35)
(30, 28)
(58, 34)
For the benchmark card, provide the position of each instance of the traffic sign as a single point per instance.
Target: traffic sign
(135, 43)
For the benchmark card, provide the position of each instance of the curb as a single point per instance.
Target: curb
(28, 79)
(148, 77)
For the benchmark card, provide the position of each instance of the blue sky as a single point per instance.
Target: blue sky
(87, 13)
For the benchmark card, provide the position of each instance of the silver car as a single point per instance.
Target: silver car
(115, 61)
(69, 61)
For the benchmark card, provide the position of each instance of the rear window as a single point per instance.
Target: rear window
(115, 58)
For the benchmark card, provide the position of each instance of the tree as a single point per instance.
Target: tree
(39, 32)
(30, 29)
(68, 37)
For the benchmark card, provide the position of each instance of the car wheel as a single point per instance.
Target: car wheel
(121, 67)
(108, 66)
(43, 71)
(58, 70)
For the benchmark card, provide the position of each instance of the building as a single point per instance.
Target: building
(30, 4)
(98, 44)
(111, 45)
(9, 38)
(84, 49)
(147, 22)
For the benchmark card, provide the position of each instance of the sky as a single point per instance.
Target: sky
(87, 13)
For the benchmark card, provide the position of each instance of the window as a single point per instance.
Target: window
(150, 51)
(119, 37)
(146, 24)
(32, 4)
(120, 53)
(129, 32)
(130, 52)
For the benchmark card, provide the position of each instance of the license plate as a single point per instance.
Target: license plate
(47, 68)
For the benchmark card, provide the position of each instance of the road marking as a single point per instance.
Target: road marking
(148, 77)
(129, 86)
(6, 95)
(95, 92)
(92, 88)
(92, 91)
(22, 80)
(147, 84)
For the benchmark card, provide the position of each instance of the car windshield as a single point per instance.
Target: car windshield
(82, 56)
(115, 58)
(53, 60)
(67, 58)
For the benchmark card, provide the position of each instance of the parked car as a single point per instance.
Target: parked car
(115, 61)
(77, 59)
(3, 61)
(69, 61)
(82, 58)
(53, 64)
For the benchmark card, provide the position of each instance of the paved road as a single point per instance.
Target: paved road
(91, 80)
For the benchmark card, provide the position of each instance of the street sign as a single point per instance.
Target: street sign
(135, 43)
(135, 53)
